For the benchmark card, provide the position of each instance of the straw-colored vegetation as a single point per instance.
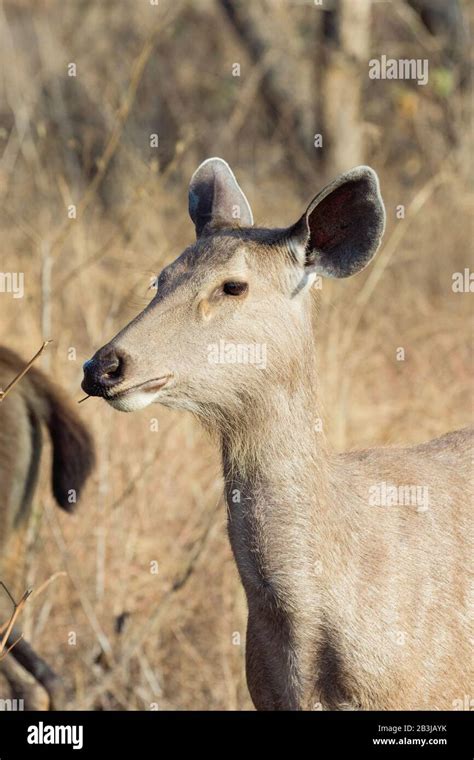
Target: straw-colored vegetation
(123, 635)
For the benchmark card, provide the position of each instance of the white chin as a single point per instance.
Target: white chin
(131, 402)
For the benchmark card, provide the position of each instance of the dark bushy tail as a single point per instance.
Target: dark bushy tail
(73, 445)
(73, 451)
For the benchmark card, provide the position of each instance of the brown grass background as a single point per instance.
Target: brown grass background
(143, 69)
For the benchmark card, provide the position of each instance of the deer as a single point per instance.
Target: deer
(33, 403)
(352, 604)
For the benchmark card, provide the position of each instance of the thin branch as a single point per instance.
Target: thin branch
(23, 372)
(7, 628)
(47, 582)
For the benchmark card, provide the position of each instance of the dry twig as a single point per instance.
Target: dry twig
(7, 628)
(23, 372)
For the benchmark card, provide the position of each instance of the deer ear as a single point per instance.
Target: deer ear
(342, 227)
(215, 197)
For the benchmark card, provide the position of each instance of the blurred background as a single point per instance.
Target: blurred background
(106, 109)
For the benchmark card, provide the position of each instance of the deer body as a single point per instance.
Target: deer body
(352, 604)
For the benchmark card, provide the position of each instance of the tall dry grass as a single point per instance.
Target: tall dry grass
(124, 636)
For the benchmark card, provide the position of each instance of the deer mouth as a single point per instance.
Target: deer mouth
(149, 386)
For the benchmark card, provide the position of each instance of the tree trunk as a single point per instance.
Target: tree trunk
(342, 69)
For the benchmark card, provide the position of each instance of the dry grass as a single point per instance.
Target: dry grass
(153, 495)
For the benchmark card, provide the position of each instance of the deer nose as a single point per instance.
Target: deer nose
(103, 371)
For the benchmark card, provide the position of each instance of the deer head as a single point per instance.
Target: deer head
(233, 312)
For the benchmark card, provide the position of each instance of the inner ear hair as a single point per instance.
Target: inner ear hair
(343, 225)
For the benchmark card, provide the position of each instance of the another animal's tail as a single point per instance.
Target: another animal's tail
(73, 446)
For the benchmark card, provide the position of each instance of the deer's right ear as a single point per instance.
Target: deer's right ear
(215, 197)
(342, 227)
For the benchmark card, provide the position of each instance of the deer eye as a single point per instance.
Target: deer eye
(232, 288)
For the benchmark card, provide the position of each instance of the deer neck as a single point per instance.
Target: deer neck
(275, 472)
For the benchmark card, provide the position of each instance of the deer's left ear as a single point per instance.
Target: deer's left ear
(342, 227)
(215, 197)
